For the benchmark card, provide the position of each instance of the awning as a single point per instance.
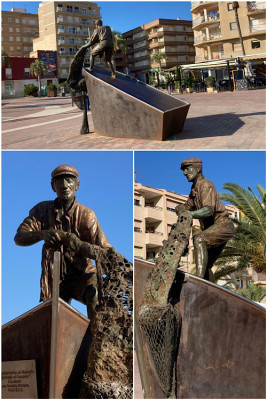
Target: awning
(210, 65)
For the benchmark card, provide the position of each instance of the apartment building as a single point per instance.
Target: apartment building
(19, 29)
(216, 33)
(154, 215)
(173, 37)
(64, 27)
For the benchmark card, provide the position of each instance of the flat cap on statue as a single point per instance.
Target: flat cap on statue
(65, 170)
(190, 161)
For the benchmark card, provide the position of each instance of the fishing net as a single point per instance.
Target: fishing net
(110, 364)
(159, 316)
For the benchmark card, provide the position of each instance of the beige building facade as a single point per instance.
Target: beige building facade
(216, 33)
(173, 37)
(154, 215)
(19, 29)
(64, 27)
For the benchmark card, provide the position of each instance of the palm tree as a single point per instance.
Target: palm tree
(5, 59)
(157, 58)
(235, 8)
(248, 246)
(253, 292)
(119, 43)
(38, 68)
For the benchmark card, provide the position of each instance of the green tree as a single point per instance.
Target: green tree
(248, 246)
(119, 43)
(157, 58)
(253, 292)
(38, 68)
(5, 59)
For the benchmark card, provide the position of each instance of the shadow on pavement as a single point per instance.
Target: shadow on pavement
(212, 125)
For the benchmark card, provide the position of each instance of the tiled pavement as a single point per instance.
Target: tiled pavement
(215, 121)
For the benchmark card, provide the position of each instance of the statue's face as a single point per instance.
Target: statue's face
(65, 187)
(191, 172)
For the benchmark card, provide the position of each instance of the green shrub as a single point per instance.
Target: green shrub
(30, 90)
(62, 84)
(51, 87)
(188, 82)
(210, 81)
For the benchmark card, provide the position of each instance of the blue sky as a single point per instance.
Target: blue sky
(124, 15)
(106, 182)
(161, 169)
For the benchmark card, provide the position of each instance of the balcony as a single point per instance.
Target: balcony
(256, 8)
(155, 34)
(153, 213)
(212, 17)
(195, 4)
(154, 239)
(257, 28)
(78, 11)
(205, 38)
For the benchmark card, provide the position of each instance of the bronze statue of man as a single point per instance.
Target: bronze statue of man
(103, 41)
(216, 226)
(56, 222)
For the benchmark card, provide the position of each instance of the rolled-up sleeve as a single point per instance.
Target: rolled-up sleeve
(32, 222)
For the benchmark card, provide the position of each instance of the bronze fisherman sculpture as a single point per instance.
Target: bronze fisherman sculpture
(216, 226)
(65, 225)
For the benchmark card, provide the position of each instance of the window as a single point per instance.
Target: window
(69, 8)
(83, 11)
(230, 6)
(11, 48)
(11, 38)
(84, 21)
(137, 202)
(8, 73)
(17, 21)
(136, 229)
(255, 44)
(27, 73)
(10, 20)
(233, 26)
(70, 30)
(10, 29)
(17, 39)
(71, 40)
(17, 30)
(76, 9)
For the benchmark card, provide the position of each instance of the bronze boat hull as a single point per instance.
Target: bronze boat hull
(125, 107)
(222, 343)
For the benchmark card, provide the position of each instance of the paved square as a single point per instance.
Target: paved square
(219, 121)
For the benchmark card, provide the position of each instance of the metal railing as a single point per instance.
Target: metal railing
(258, 6)
(78, 11)
(205, 38)
(211, 17)
(196, 3)
(152, 206)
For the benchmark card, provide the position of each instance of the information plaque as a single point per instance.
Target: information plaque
(19, 380)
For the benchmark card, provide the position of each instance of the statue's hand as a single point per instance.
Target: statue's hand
(52, 237)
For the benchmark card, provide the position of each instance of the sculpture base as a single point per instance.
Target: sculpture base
(125, 107)
(215, 353)
(29, 337)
